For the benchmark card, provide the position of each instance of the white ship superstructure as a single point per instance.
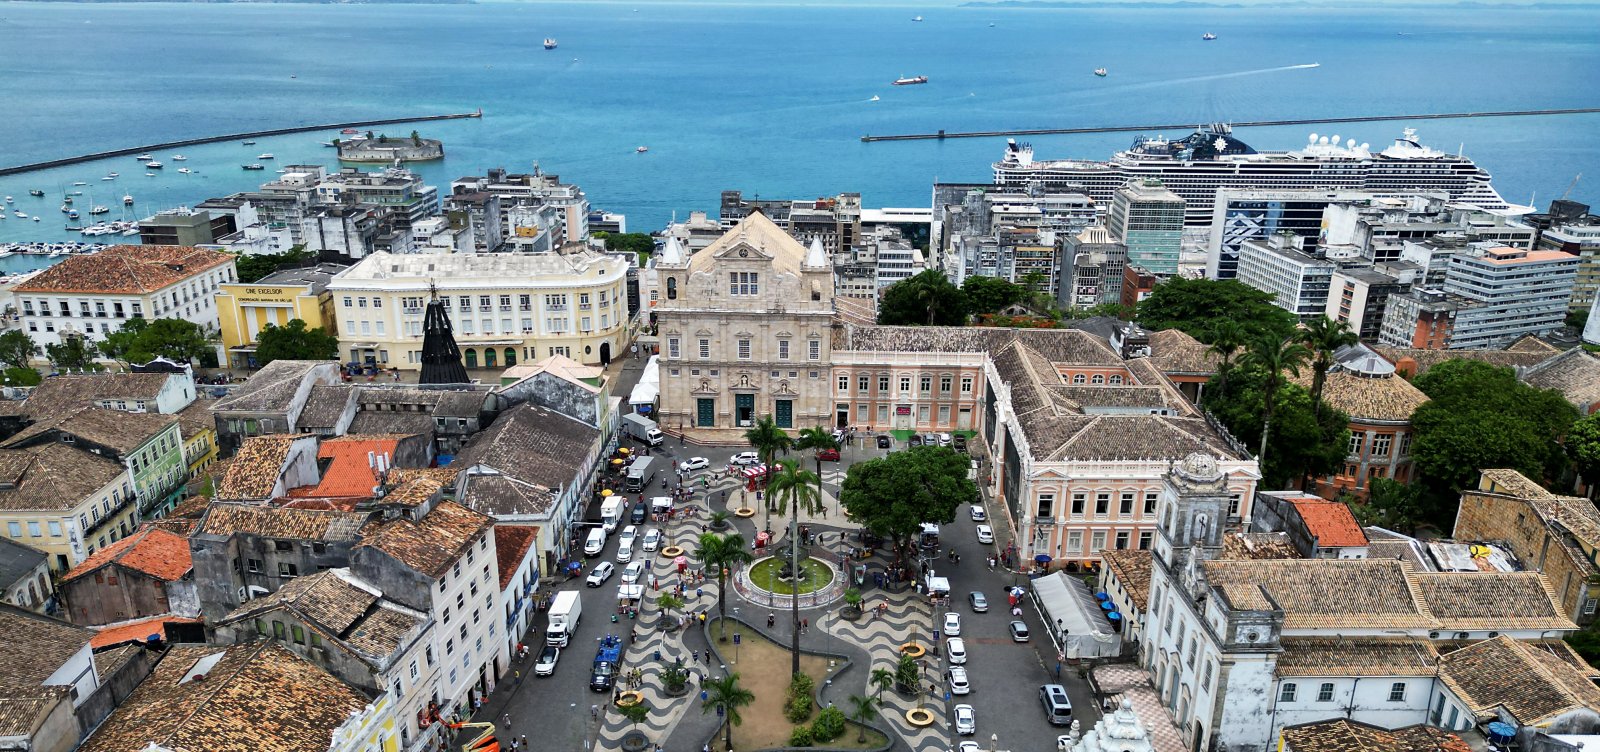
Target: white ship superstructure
(1210, 158)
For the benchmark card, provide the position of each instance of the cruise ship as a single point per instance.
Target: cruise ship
(1210, 158)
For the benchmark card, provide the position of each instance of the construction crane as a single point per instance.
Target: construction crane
(483, 742)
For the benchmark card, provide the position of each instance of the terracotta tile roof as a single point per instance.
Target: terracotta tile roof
(1305, 656)
(1530, 682)
(196, 418)
(255, 697)
(53, 476)
(511, 543)
(385, 630)
(1575, 373)
(441, 475)
(256, 467)
(1388, 398)
(108, 662)
(1330, 522)
(326, 403)
(1426, 359)
(122, 432)
(1132, 568)
(1528, 343)
(156, 552)
(432, 544)
(1257, 546)
(348, 474)
(59, 394)
(1478, 601)
(341, 606)
(1326, 593)
(125, 269)
(136, 631)
(1512, 483)
(35, 646)
(22, 709)
(532, 445)
(224, 519)
(1175, 352)
(272, 388)
(1344, 735)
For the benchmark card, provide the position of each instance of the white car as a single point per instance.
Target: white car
(652, 540)
(971, 746)
(966, 720)
(952, 623)
(978, 515)
(692, 464)
(985, 534)
(600, 574)
(632, 572)
(745, 459)
(944, 439)
(546, 665)
(955, 649)
(956, 677)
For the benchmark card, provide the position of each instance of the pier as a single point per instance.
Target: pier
(1250, 124)
(232, 137)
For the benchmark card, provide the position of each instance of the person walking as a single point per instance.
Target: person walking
(506, 718)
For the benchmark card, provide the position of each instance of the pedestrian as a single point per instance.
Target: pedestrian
(506, 718)
(517, 675)
(805, 624)
(594, 711)
(515, 745)
(770, 620)
(525, 741)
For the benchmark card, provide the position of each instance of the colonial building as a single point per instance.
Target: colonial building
(65, 501)
(145, 574)
(1365, 386)
(1556, 535)
(245, 309)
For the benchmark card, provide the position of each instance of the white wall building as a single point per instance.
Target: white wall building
(1298, 281)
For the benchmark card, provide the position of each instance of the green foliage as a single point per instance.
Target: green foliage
(1587, 643)
(253, 267)
(637, 243)
(991, 294)
(675, 676)
(1322, 336)
(801, 736)
(294, 341)
(852, 597)
(815, 439)
(1300, 443)
(1391, 504)
(797, 703)
(1577, 318)
(1197, 306)
(789, 484)
(829, 724)
(18, 376)
(17, 349)
(635, 713)
(141, 340)
(726, 692)
(927, 299)
(907, 674)
(881, 680)
(894, 495)
(720, 553)
(73, 354)
(1114, 310)
(668, 602)
(1480, 416)
(862, 710)
(1583, 446)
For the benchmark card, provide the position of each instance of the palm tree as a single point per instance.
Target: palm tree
(768, 440)
(882, 679)
(725, 692)
(863, 709)
(815, 439)
(1323, 336)
(668, 603)
(1274, 356)
(1227, 338)
(722, 553)
(803, 488)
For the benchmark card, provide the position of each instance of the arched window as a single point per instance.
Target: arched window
(1116, 380)
(488, 357)
(511, 356)
(1077, 378)
(471, 357)
(1098, 379)
(672, 288)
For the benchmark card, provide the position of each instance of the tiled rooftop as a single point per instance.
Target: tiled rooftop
(35, 646)
(1493, 601)
(18, 561)
(271, 388)
(1175, 352)
(348, 474)
(122, 432)
(256, 466)
(154, 551)
(224, 519)
(125, 269)
(1426, 359)
(1344, 735)
(52, 476)
(196, 418)
(1532, 682)
(1304, 656)
(136, 631)
(1257, 546)
(59, 394)
(1330, 522)
(326, 403)
(1132, 568)
(1326, 593)
(511, 543)
(1388, 398)
(432, 544)
(1575, 373)
(256, 697)
(532, 445)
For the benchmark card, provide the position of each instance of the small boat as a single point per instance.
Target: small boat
(152, 165)
(347, 132)
(642, 149)
(874, 98)
(149, 174)
(179, 158)
(108, 177)
(248, 143)
(10, 200)
(914, 80)
(99, 210)
(991, 26)
(80, 182)
(264, 155)
(20, 214)
(917, 19)
(127, 200)
(144, 157)
(77, 193)
(253, 167)
(66, 209)
(184, 170)
(330, 144)
(37, 219)
(66, 201)
(1101, 72)
(72, 214)
(549, 43)
(36, 192)
(131, 231)
(1208, 36)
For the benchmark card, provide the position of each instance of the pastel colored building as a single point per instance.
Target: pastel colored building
(245, 308)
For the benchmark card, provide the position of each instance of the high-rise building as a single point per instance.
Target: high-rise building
(1419, 319)
(1358, 295)
(1298, 281)
(1242, 214)
(1148, 219)
(1091, 269)
(1510, 292)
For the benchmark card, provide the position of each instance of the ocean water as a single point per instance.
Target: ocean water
(767, 98)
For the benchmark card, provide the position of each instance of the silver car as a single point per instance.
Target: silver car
(966, 720)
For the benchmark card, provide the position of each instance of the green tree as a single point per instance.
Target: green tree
(768, 440)
(1322, 336)
(1586, 642)
(907, 674)
(1198, 305)
(892, 496)
(795, 488)
(17, 376)
(17, 349)
(635, 713)
(862, 711)
(829, 724)
(639, 244)
(724, 692)
(141, 340)
(926, 299)
(1391, 504)
(1583, 446)
(881, 680)
(1480, 416)
(1302, 443)
(416, 139)
(1227, 339)
(1274, 356)
(721, 553)
(668, 603)
(815, 439)
(253, 267)
(73, 353)
(294, 341)
(990, 294)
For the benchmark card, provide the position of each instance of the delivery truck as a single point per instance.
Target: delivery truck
(642, 429)
(564, 613)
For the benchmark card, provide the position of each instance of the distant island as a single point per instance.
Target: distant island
(1180, 4)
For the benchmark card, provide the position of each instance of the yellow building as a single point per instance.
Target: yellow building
(278, 298)
(199, 435)
(65, 501)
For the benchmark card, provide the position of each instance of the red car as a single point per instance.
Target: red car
(829, 455)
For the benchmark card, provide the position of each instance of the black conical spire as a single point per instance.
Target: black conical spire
(441, 359)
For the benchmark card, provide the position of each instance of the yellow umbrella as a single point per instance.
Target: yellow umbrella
(607, 492)
(623, 450)
(616, 462)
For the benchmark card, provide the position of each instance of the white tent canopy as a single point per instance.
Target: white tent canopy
(1067, 601)
(649, 386)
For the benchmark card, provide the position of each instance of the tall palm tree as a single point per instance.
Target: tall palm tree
(724, 692)
(863, 709)
(1228, 337)
(1274, 356)
(1323, 336)
(768, 440)
(722, 553)
(882, 679)
(793, 488)
(815, 439)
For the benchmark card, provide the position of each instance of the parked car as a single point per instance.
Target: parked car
(546, 665)
(959, 443)
(966, 720)
(916, 440)
(944, 439)
(978, 515)
(979, 602)
(828, 455)
(745, 459)
(692, 464)
(955, 650)
(884, 442)
(928, 439)
(637, 513)
(952, 623)
(956, 678)
(600, 574)
(969, 746)
(632, 572)
(652, 540)
(1057, 706)
(985, 534)
(1019, 631)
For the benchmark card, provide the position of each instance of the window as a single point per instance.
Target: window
(905, 383)
(1380, 444)
(864, 384)
(944, 383)
(1074, 541)
(1097, 542)
(1589, 605)
(1233, 504)
(966, 384)
(377, 302)
(1397, 692)
(285, 569)
(1122, 539)
(673, 350)
(814, 352)
(1102, 503)
(15, 529)
(705, 349)
(1126, 505)
(33, 530)
(883, 382)
(1144, 541)
(1097, 379)
(672, 288)
(299, 634)
(525, 302)
(360, 302)
(742, 283)
(348, 302)
(1077, 378)
(783, 349)
(278, 630)
(744, 349)
(1150, 502)
(1077, 504)
(925, 384)
(844, 382)
(1205, 679)
(1286, 694)
(55, 528)
(1405, 444)
(1116, 379)
(1047, 505)
(1325, 693)
(554, 302)
(1355, 442)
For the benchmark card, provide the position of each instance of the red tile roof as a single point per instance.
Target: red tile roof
(511, 543)
(126, 269)
(155, 551)
(1330, 522)
(349, 475)
(135, 631)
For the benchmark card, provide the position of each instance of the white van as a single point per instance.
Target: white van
(596, 542)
